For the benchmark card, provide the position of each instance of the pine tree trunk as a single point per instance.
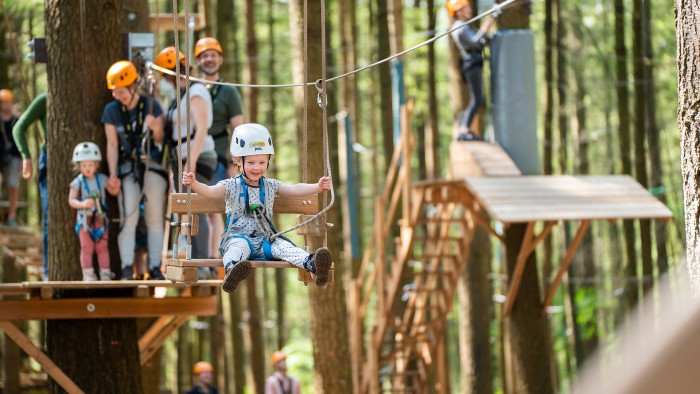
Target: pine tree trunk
(250, 71)
(631, 287)
(526, 354)
(254, 334)
(562, 86)
(687, 20)
(432, 134)
(329, 331)
(226, 26)
(385, 92)
(640, 160)
(83, 349)
(656, 173)
(475, 306)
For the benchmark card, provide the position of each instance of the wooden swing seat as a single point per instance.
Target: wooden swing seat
(180, 270)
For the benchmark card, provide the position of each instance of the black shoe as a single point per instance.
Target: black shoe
(468, 136)
(235, 275)
(127, 273)
(155, 274)
(321, 263)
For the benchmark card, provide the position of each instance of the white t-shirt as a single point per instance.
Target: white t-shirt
(196, 89)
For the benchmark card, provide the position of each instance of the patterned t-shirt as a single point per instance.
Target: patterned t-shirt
(238, 222)
(93, 188)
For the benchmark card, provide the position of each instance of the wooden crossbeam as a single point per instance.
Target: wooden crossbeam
(49, 366)
(106, 308)
(306, 205)
(156, 335)
(519, 268)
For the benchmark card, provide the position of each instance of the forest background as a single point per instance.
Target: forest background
(607, 99)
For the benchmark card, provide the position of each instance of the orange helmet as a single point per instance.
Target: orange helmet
(455, 5)
(205, 44)
(122, 74)
(6, 95)
(277, 357)
(203, 366)
(168, 56)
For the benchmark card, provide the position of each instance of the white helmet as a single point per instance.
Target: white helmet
(251, 139)
(85, 151)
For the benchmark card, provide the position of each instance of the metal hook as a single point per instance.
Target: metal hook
(321, 99)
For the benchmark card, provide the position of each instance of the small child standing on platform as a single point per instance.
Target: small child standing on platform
(249, 201)
(87, 195)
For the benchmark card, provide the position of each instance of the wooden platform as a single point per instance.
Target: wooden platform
(480, 159)
(552, 198)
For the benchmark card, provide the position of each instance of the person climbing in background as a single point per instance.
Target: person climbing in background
(204, 372)
(35, 111)
(279, 382)
(87, 195)
(250, 199)
(134, 128)
(471, 44)
(200, 154)
(228, 112)
(11, 158)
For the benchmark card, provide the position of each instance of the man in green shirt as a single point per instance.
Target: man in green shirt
(228, 113)
(35, 111)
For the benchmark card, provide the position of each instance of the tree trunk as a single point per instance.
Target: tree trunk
(254, 334)
(250, 71)
(631, 288)
(385, 92)
(656, 173)
(226, 27)
(640, 160)
(432, 134)
(527, 367)
(141, 22)
(329, 331)
(83, 349)
(475, 307)
(562, 87)
(687, 19)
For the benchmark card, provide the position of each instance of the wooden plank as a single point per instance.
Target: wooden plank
(550, 198)
(480, 159)
(307, 205)
(106, 308)
(188, 275)
(111, 284)
(49, 366)
(151, 347)
(219, 262)
(164, 22)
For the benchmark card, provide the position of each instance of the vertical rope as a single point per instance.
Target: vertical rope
(305, 123)
(177, 121)
(324, 107)
(188, 115)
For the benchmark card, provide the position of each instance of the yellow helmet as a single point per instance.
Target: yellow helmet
(6, 95)
(203, 366)
(122, 74)
(277, 357)
(455, 5)
(205, 44)
(168, 56)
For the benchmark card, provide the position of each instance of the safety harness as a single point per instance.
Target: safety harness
(98, 212)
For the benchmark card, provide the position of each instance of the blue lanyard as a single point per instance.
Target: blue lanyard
(244, 192)
(87, 187)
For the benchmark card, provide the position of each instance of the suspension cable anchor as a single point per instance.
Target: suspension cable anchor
(321, 99)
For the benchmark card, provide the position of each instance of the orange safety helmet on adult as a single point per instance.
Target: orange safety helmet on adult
(122, 74)
(6, 95)
(202, 366)
(455, 5)
(277, 357)
(168, 56)
(205, 44)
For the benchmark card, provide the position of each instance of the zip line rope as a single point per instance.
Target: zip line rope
(496, 8)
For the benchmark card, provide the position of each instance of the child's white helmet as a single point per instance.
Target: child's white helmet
(86, 151)
(251, 139)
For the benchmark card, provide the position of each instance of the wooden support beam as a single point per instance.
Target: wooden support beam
(565, 263)
(157, 338)
(49, 366)
(307, 205)
(106, 308)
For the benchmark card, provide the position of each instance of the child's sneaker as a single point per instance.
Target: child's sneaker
(128, 273)
(106, 274)
(235, 275)
(156, 274)
(89, 275)
(320, 264)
